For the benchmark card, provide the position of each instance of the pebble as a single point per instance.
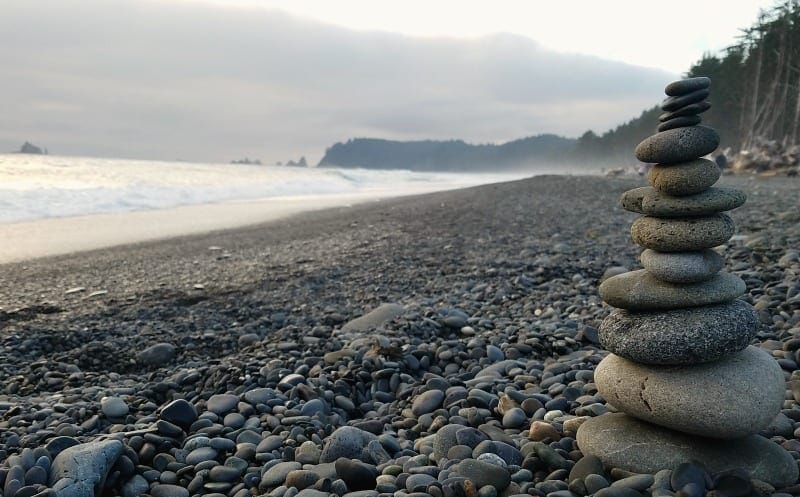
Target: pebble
(744, 392)
(157, 354)
(685, 178)
(114, 407)
(427, 402)
(222, 403)
(677, 145)
(683, 234)
(680, 336)
(682, 267)
(375, 318)
(641, 291)
(483, 473)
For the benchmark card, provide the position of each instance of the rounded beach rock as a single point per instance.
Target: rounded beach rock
(647, 200)
(682, 267)
(641, 291)
(688, 110)
(682, 234)
(621, 441)
(686, 178)
(729, 398)
(677, 145)
(680, 336)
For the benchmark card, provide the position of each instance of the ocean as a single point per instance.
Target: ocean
(36, 187)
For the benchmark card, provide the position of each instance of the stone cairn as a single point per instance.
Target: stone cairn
(682, 373)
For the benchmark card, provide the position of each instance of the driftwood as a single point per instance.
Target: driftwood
(767, 158)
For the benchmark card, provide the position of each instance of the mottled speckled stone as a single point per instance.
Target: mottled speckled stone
(682, 267)
(686, 178)
(647, 200)
(678, 145)
(683, 234)
(687, 85)
(641, 291)
(680, 336)
(621, 441)
(729, 398)
(679, 122)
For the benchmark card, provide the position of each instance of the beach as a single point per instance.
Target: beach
(486, 294)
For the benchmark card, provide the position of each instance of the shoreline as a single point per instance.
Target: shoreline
(488, 293)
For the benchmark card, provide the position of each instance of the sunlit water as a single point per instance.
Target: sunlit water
(41, 187)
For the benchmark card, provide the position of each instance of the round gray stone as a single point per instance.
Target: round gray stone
(113, 407)
(641, 291)
(679, 122)
(686, 178)
(680, 336)
(222, 403)
(483, 473)
(729, 398)
(346, 441)
(157, 354)
(622, 441)
(427, 401)
(678, 145)
(647, 200)
(687, 85)
(682, 234)
(682, 267)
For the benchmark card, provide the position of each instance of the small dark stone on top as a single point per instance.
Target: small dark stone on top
(688, 85)
(688, 110)
(679, 122)
(671, 104)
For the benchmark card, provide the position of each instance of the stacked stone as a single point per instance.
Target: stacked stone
(681, 372)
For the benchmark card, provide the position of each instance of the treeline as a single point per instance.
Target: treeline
(755, 91)
(452, 155)
(755, 83)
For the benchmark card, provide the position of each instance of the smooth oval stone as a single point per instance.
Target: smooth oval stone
(483, 473)
(647, 200)
(678, 145)
(682, 267)
(641, 291)
(679, 122)
(687, 85)
(676, 102)
(622, 441)
(729, 398)
(688, 110)
(680, 336)
(686, 178)
(682, 234)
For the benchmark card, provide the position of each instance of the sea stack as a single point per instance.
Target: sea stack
(688, 385)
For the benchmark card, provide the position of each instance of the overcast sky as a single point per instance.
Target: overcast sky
(212, 80)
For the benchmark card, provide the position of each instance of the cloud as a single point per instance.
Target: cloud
(168, 80)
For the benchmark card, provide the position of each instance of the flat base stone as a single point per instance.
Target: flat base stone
(621, 441)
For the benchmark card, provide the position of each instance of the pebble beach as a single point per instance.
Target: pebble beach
(441, 345)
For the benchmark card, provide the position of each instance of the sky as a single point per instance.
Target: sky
(217, 80)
